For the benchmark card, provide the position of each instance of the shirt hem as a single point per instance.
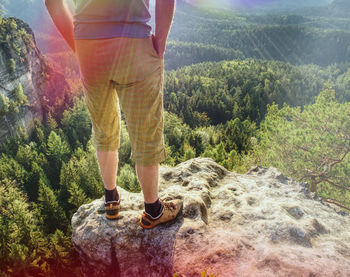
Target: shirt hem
(102, 31)
(111, 36)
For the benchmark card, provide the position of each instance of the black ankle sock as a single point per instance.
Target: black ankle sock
(153, 209)
(111, 195)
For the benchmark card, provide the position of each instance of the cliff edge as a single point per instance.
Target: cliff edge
(29, 85)
(261, 223)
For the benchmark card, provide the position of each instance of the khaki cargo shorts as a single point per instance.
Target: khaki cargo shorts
(126, 73)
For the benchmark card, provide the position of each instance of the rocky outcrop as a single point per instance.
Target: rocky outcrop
(21, 62)
(260, 223)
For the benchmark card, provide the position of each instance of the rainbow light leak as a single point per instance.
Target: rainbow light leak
(229, 3)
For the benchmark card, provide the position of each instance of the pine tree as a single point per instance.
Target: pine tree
(50, 210)
(237, 135)
(77, 195)
(60, 249)
(38, 135)
(51, 122)
(128, 179)
(125, 147)
(19, 96)
(196, 141)
(57, 152)
(58, 149)
(76, 123)
(4, 105)
(21, 240)
(312, 145)
(82, 169)
(220, 153)
(11, 169)
(189, 151)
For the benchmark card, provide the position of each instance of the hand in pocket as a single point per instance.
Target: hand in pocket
(158, 47)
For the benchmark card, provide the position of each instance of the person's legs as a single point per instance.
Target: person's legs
(97, 59)
(148, 177)
(141, 99)
(108, 163)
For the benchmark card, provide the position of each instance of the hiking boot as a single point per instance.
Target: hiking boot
(112, 209)
(169, 212)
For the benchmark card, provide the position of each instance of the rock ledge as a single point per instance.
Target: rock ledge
(261, 223)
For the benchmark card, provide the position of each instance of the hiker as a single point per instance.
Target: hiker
(122, 67)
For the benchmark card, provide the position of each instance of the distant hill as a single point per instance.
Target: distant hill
(317, 36)
(295, 4)
(341, 6)
(259, 4)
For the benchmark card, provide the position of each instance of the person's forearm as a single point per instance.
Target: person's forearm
(163, 19)
(63, 20)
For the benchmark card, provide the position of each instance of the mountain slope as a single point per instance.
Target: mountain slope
(28, 85)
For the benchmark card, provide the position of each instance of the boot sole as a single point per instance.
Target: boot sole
(113, 214)
(111, 217)
(170, 222)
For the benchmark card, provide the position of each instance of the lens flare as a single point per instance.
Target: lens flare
(229, 3)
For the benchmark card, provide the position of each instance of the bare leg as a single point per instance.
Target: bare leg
(148, 178)
(108, 162)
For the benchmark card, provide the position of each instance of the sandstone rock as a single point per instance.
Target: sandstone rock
(36, 76)
(257, 224)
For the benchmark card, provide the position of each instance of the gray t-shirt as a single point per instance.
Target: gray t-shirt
(94, 19)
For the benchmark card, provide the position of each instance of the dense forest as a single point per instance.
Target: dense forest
(48, 175)
(259, 87)
(317, 38)
(241, 89)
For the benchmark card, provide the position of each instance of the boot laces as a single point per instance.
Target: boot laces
(170, 205)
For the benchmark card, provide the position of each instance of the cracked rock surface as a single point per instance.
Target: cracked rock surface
(261, 223)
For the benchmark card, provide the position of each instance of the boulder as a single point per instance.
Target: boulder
(261, 223)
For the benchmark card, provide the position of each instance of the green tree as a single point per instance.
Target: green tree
(62, 257)
(38, 134)
(11, 65)
(124, 150)
(175, 132)
(128, 179)
(196, 141)
(209, 152)
(33, 163)
(57, 152)
(233, 161)
(51, 122)
(19, 96)
(4, 105)
(58, 149)
(220, 153)
(21, 239)
(237, 135)
(312, 145)
(13, 25)
(11, 169)
(200, 119)
(76, 123)
(190, 152)
(170, 159)
(77, 195)
(50, 210)
(80, 179)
